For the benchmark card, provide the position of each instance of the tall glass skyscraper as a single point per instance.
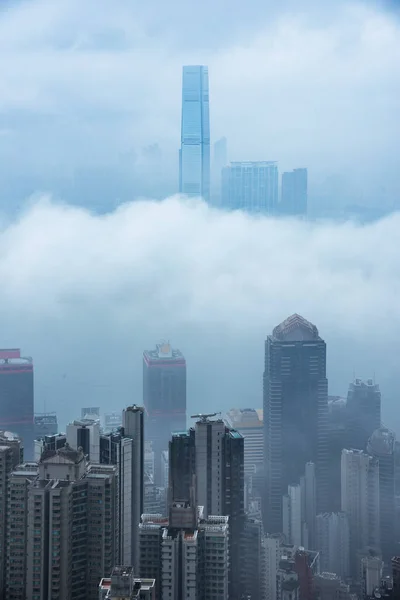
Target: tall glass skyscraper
(194, 155)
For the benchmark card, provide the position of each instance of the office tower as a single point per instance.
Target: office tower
(194, 155)
(220, 160)
(182, 466)
(112, 421)
(123, 585)
(45, 424)
(381, 446)
(164, 398)
(251, 187)
(360, 501)
(10, 457)
(292, 523)
(16, 397)
(67, 520)
(363, 412)
(90, 412)
(337, 441)
(329, 586)
(295, 413)
(308, 505)
(333, 542)
(85, 434)
(249, 423)
(189, 559)
(294, 193)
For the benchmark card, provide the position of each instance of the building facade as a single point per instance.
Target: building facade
(251, 187)
(294, 193)
(295, 413)
(17, 397)
(363, 412)
(381, 445)
(333, 542)
(194, 154)
(164, 398)
(360, 501)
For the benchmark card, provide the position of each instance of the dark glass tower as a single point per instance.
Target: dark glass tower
(16, 397)
(214, 453)
(164, 397)
(295, 413)
(363, 412)
(381, 446)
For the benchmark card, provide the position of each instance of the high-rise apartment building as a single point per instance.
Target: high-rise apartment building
(295, 413)
(363, 412)
(333, 542)
(292, 522)
(164, 398)
(63, 527)
(188, 558)
(299, 510)
(294, 193)
(337, 440)
(360, 501)
(16, 397)
(251, 187)
(132, 482)
(123, 585)
(381, 446)
(10, 457)
(194, 154)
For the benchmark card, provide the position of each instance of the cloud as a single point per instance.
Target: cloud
(83, 83)
(84, 295)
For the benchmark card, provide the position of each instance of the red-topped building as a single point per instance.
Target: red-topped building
(17, 398)
(164, 397)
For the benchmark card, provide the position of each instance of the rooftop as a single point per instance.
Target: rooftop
(65, 454)
(381, 442)
(240, 418)
(163, 353)
(295, 329)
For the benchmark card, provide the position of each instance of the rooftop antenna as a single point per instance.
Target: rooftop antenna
(204, 418)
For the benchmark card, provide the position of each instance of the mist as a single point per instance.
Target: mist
(87, 88)
(85, 294)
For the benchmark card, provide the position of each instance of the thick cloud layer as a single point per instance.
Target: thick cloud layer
(84, 295)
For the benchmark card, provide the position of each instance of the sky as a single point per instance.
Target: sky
(86, 86)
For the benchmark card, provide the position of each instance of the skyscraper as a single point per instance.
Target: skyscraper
(333, 542)
(194, 154)
(381, 446)
(360, 501)
(363, 412)
(164, 398)
(216, 453)
(251, 187)
(16, 397)
(294, 193)
(295, 413)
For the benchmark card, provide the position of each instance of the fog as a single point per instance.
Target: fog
(86, 87)
(85, 294)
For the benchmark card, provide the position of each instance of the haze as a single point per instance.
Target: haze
(88, 89)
